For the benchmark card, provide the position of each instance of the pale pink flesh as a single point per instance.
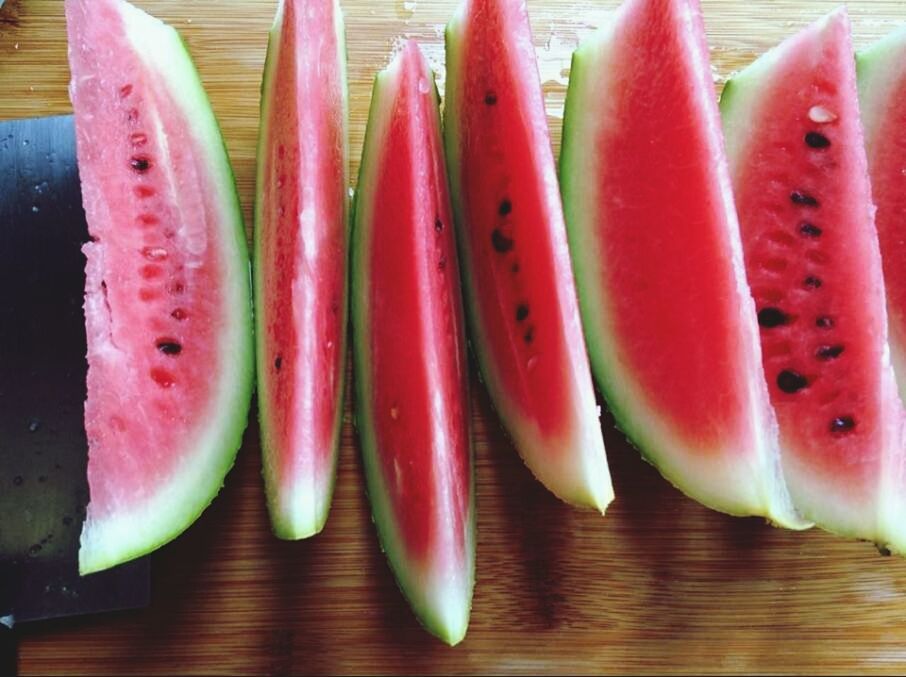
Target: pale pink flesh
(153, 268)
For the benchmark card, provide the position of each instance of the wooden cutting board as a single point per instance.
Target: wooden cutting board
(660, 584)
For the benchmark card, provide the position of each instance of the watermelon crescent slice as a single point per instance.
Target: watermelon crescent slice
(300, 262)
(409, 349)
(524, 316)
(799, 168)
(167, 298)
(668, 317)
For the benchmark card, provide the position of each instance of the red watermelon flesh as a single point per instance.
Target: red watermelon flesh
(409, 347)
(882, 94)
(668, 317)
(167, 300)
(799, 169)
(300, 262)
(519, 285)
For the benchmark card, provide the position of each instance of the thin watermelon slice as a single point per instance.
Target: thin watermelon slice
(799, 169)
(409, 348)
(167, 298)
(520, 293)
(655, 243)
(882, 95)
(300, 262)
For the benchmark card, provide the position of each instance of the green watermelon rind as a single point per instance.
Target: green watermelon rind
(621, 393)
(875, 67)
(131, 535)
(578, 491)
(284, 525)
(451, 631)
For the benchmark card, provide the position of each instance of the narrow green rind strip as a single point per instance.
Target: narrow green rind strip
(177, 506)
(293, 526)
(627, 405)
(875, 66)
(445, 618)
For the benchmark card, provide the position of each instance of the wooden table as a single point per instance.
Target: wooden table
(661, 584)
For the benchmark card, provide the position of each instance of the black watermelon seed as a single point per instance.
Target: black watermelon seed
(529, 335)
(490, 98)
(140, 164)
(812, 282)
(505, 207)
(790, 381)
(816, 140)
(801, 198)
(842, 424)
(438, 225)
(278, 362)
(522, 312)
(772, 317)
(824, 322)
(810, 229)
(169, 347)
(829, 352)
(501, 242)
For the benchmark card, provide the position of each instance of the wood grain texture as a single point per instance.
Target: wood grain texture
(659, 585)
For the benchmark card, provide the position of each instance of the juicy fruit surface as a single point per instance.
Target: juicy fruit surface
(520, 285)
(505, 212)
(159, 318)
(410, 359)
(812, 256)
(301, 264)
(706, 404)
(670, 329)
(882, 82)
(670, 326)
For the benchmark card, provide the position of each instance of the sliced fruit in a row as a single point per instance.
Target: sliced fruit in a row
(882, 95)
(668, 316)
(409, 348)
(524, 318)
(800, 175)
(167, 298)
(300, 262)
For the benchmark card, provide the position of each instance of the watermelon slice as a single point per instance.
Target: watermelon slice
(409, 347)
(520, 293)
(167, 298)
(300, 262)
(799, 169)
(655, 244)
(882, 94)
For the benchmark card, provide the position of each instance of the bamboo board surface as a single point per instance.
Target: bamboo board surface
(658, 585)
